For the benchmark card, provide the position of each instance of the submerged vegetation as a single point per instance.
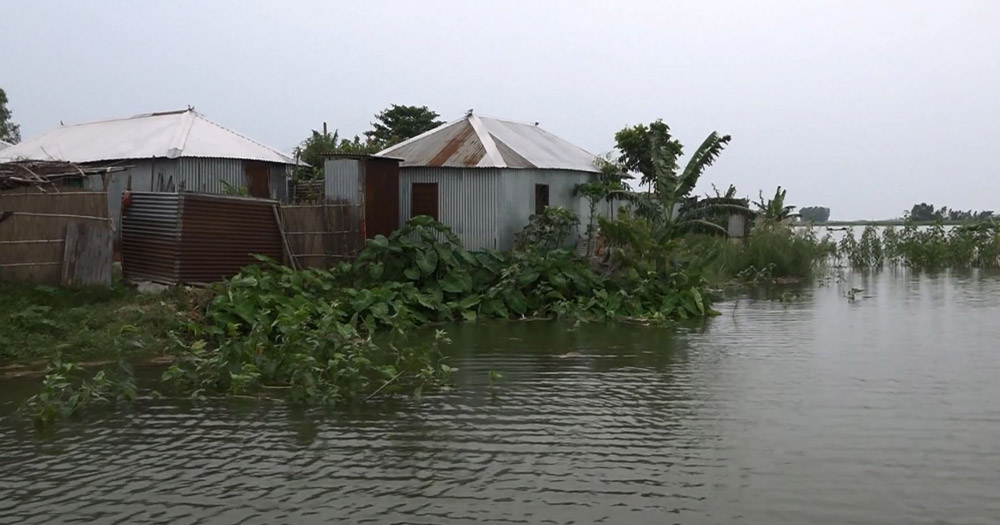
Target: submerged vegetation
(357, 331)
(974, 245)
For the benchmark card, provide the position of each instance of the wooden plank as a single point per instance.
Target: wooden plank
(87, 259)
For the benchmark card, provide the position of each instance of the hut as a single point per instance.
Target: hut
(485, 177)
(171, 151)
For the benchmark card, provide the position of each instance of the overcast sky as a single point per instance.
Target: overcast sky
(865, 107)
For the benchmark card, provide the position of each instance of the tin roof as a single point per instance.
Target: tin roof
(483, 142)
(170, 134)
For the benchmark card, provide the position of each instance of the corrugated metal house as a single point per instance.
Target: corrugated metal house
(485, 177)
(170, 151)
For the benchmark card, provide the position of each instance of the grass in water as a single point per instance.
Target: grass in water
(37, 322)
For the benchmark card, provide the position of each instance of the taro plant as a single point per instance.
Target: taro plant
(68, 389)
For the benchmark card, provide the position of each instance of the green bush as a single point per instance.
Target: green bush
(771, 251)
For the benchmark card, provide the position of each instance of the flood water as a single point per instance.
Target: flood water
(815, 409)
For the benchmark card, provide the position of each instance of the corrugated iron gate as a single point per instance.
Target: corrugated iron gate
(196, 238)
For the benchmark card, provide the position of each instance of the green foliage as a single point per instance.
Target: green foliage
(636, 145)
(965, 246)
(654, 153)
(229, 189)
(551, 229)
(772, 251)
(272, 327)
(345, 335)
(398, 123)
(816, 214)
(610, 182)
(68, 389)
(39, 321)
(314, 149)
(774, 209)
(9, 131)
(924, 212)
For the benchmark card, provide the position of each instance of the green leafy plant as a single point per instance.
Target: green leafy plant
(68, 389)
(548, 230)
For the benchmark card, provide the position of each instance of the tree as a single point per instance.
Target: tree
(654, 153)
(922, 212)
(313, 149)
(9, 131)
(816, 214)
(398, 123)
(635, 145)
(610, 181)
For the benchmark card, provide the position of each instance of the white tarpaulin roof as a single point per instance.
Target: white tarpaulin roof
(482, 142)
(171, 134)
(4, 144)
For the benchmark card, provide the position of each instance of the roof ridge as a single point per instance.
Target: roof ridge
(518, 122)
(118, 119)
(420, 136)
(240, 135)
(487, 141)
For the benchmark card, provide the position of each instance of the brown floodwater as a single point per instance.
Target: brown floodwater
(811, 409)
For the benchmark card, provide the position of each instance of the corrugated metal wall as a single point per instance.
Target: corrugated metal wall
(209, 175)
(519, 195)
(185, 174)
(196, 238)
(343, 180)
(151, 233)
(469, 201)
(486, 207)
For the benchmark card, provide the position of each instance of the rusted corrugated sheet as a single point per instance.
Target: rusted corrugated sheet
(220, 235)
(196, 238)
(381, 196)
(482, 142)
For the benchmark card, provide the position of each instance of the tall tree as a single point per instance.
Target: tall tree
(922, 212)
(636, 147)
(815, 214)
(398, 123)
(9, 131)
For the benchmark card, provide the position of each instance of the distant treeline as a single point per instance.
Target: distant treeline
(924, 212)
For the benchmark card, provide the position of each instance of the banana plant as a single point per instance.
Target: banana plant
(667, 204)
(774, 210)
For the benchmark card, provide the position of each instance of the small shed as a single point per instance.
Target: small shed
(370, 184)
(484, 177)
(170, 151)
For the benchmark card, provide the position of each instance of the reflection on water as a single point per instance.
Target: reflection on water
(818, 410)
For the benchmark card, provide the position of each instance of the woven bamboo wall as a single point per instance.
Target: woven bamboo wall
(32, 239)
(321, 235)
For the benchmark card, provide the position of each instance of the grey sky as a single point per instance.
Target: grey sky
(865, 107)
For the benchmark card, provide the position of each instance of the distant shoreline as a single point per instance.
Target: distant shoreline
(885, 222)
